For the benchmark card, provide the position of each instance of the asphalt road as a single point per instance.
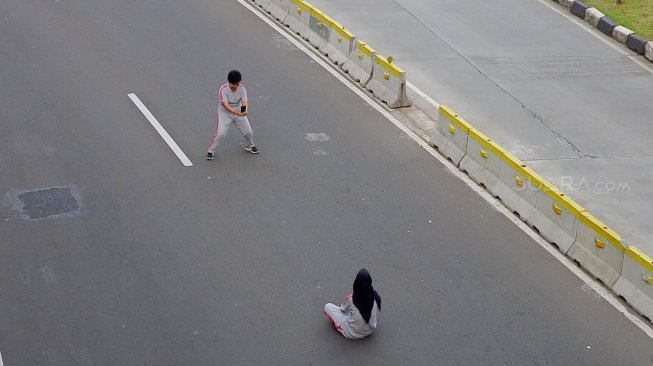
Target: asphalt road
(567, 100)
(229, 262)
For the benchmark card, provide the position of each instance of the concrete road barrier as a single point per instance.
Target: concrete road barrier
(361, 63)
(598, 249)
(341, 45)
(279, 9)
(451, 135)
(319, 29)
(388, 83)
(322, 32)
(556, 217)
(263, 4)
(483, 160)
(299, 17)
(384, 80)
(518, 186)
(636, 281)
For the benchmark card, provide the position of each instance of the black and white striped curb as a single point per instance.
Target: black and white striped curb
(610, 28)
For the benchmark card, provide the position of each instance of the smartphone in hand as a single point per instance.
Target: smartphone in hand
(243, 109)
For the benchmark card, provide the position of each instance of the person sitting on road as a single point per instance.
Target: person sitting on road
(356, 317)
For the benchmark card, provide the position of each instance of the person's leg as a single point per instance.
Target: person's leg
(336, 315)
(223, 121)
(245, 129)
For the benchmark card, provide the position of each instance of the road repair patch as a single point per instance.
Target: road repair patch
(45, 203)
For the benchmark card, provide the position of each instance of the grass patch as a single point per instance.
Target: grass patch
(636, 15)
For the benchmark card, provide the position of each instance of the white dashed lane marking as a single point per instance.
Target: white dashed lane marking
(157, 126)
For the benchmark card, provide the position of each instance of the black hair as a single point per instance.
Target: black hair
(364, 295)
(234, 76)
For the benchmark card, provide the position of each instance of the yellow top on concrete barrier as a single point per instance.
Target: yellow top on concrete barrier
(324, 18)
(321, 16)
(303, 4)
(639, 257)
(342, 30)
(365, 49)
(601, 229)
(395, 70)
(522, 169)
(486, 142)
(454, 118)
(561, 198)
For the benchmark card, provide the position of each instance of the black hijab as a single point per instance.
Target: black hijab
(364, 294)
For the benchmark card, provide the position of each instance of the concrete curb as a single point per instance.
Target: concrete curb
(648, 51)
(609, 27)
(636, 43)
(620, 34)
(606, 26)
(578, 9)
(593, 15)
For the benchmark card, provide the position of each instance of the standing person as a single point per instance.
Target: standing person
(233, 107)
(356, 317)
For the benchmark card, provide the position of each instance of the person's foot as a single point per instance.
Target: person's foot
(209, 156)
(251, 149)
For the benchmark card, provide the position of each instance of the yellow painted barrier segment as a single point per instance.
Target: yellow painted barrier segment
(601, 229)
(454, 118)
(322, 17)
(365, 49)
(599, 243)
(612, 237)
(642, 259)
(485, 142)
(342, 30)
(521, 168)
(561, 199)
(392, 68)
(302, 5)
(557, 209)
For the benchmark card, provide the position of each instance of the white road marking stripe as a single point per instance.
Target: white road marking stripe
(610, 298)
(157, 126)
(1, 363)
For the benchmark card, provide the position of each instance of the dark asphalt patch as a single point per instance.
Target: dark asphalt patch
(45, 203)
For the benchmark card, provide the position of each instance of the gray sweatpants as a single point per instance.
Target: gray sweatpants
(224, 120)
